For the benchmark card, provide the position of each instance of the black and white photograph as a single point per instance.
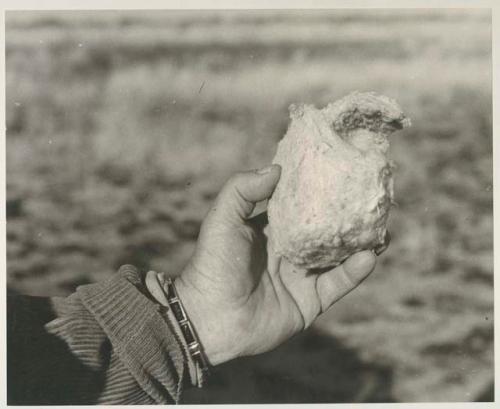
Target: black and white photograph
(249, 206)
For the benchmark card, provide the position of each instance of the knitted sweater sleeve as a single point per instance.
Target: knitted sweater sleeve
(107, 343)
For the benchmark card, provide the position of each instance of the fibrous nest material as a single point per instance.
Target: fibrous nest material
(336, 185)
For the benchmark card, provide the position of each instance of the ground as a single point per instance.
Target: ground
(122, 127)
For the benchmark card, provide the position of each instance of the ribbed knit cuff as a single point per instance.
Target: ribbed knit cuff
(138, 333)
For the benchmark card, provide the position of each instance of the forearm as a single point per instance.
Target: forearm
(106, 343)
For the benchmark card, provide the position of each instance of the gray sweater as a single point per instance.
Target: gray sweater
(107, 343)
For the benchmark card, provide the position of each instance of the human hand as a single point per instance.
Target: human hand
(241, 297)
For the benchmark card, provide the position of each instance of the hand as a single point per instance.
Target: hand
(242, 298)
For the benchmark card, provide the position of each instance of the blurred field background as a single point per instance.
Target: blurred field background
(123, 126)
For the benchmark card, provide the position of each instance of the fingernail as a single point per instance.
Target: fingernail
(264, 170)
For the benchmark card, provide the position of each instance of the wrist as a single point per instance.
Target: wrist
(210, 332)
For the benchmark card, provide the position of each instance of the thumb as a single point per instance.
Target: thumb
(239, 195)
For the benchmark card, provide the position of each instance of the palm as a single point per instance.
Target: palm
(272, 297)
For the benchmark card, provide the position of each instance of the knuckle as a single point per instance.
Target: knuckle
(234, 180)
(348, 281)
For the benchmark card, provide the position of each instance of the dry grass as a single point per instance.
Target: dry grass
(122, 128)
